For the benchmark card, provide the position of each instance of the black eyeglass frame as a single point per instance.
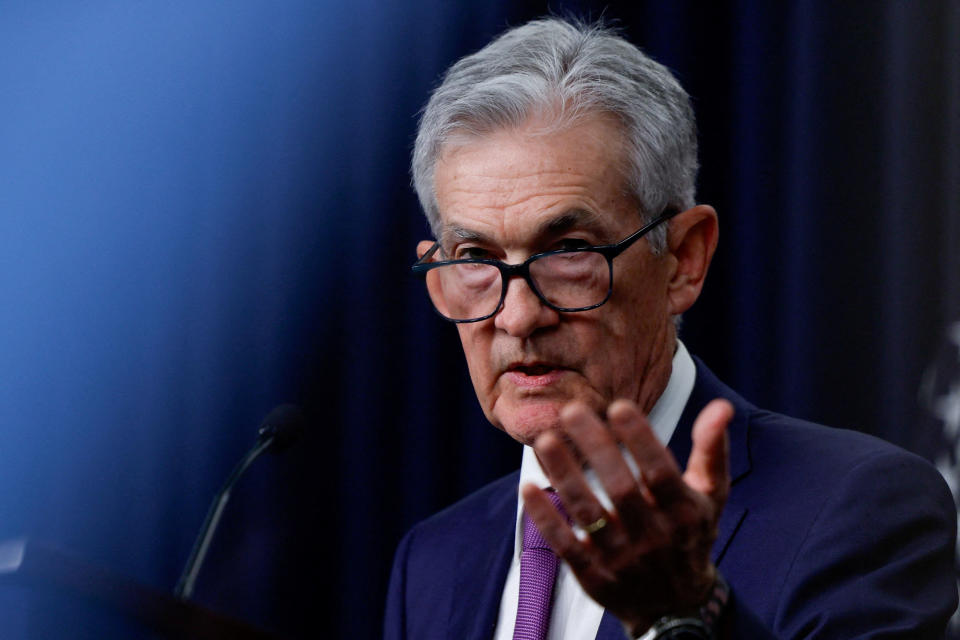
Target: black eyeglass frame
(509, 271)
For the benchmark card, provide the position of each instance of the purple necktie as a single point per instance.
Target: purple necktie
(538, 569)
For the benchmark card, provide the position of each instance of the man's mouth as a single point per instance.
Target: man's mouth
(534, 370)
(534, 375)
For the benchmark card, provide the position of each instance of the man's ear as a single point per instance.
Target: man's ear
(691, 241)
(422, 247)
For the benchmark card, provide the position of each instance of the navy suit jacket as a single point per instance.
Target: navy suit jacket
(826, 534)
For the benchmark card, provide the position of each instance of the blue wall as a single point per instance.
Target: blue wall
(204, 212)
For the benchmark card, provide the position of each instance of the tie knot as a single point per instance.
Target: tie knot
(531, 534)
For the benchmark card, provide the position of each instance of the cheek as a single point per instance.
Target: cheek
(612, 367)
(620, 346)
(476, 349)
(600, 345)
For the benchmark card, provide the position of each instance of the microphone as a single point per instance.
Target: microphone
(279, 430)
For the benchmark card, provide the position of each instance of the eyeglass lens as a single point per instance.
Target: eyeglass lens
(567, 280)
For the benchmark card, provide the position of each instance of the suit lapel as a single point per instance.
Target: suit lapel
(610, 628)
(487, 553)
(706, 388)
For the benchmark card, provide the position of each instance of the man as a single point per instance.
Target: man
(557, 169)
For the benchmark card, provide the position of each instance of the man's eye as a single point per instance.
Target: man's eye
(471, 253)
(570, 244)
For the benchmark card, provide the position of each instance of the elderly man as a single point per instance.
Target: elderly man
(557, 169)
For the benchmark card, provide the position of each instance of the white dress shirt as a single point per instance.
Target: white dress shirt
(575, 616)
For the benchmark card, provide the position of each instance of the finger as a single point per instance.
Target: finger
(554, 528)
(551, 523)
(566, 477)
(708, 466)
(658, 469)
(595, 441)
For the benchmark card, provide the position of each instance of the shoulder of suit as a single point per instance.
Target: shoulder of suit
(490, 503)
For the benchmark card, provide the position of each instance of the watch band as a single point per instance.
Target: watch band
(691, 627)
(670, 628)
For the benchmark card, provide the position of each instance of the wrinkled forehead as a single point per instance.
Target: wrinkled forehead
(551, 224)
(554, 178)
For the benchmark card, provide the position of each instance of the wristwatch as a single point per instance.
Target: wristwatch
(670, 628)
(693, 627)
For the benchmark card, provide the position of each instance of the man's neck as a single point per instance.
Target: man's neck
(656, 376)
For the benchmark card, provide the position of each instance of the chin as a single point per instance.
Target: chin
(525, 423)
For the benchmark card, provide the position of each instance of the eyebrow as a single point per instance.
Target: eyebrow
(462, 234)
(581, 218)
(567, 220)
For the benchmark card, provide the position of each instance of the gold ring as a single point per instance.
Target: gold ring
(596, 525)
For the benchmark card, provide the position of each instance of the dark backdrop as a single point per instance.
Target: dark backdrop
(204, 212)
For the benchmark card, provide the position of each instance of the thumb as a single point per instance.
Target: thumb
(708, 468)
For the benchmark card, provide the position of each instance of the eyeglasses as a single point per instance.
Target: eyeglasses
(566, 280)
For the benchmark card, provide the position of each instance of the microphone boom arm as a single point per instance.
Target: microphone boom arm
(185, 585)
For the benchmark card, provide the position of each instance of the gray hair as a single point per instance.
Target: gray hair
(567, 70)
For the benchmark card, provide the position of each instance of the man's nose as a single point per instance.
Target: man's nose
(522, 311)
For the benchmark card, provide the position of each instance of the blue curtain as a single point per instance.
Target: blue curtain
(205, 212)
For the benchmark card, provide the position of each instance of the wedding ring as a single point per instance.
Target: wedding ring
(596, 525)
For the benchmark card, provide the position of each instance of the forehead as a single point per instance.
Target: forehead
(519, 181)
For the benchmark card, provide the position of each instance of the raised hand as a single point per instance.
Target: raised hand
(650, 555)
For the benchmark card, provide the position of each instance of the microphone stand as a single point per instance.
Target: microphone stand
(185, 585)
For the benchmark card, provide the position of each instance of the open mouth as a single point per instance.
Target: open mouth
(534, 375)
(534, 370)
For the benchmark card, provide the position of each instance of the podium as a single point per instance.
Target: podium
(74, 597)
